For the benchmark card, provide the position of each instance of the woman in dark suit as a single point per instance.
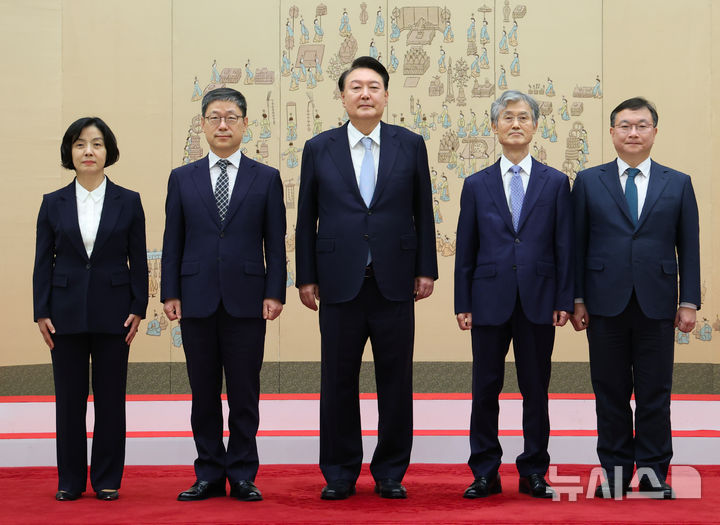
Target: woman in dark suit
(90, 291)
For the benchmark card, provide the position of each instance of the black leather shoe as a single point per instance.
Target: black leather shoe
(482, 487)
(203, 490)
(245, 491)
(600, 493)
(536, 486)
(662, 491)
(64, 495)
(338, 489)
(391, 489)
(107, 495)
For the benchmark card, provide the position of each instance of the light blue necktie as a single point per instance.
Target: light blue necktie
(367, 177)
(631, 193)
(517, 194)
(367, 172)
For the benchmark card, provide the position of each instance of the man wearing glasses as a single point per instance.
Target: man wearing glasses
(223, 277)
(513, 281)
(636, 230)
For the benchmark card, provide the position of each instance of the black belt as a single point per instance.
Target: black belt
(369, 271)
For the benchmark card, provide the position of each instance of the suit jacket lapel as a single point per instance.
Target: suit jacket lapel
(69, 217)
(244, 179)
(494, 183)
(611, 179)
(339, 149)
(108, 217)
(537, 181)
(388, 152)
(201, 179)
(656, 184)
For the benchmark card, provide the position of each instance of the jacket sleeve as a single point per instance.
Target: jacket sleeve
(43, 269)
(426, 262)
(173, 242)
(466, 250)
(580, 227)
(688, 247)
(274, 241)
(307, 217)
(564, 256)
(137, 257)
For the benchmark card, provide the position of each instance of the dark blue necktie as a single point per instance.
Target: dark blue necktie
(222, 195)
(631, 193)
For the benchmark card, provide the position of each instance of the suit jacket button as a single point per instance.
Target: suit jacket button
(88, 266)
(366, 236)
(222, 234)
(635, 237)
(369, 212)
(517, 241)
(514, 266)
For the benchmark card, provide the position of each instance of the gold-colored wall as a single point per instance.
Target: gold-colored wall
(133, 63)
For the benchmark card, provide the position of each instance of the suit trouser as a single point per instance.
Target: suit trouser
(70, 359)
(632, 352)
(345, 328)
(236, 346)
(533, 346)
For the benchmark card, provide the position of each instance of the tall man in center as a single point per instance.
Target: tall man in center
(365, 248)
(513, 281)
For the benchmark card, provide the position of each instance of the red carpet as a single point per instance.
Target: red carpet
(292, 496)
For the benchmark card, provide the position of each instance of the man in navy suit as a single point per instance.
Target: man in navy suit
(223, 276)
(365, 246)
(513, 282)
(636, 230)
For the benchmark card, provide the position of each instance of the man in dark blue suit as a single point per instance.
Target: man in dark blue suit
(513, 282)
(223, 276)
(365, 246)
(636, 230)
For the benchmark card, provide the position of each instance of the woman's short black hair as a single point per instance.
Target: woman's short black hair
(74, 131)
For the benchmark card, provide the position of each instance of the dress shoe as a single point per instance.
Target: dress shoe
(536, 486)
(338, 489)
(203, 490)
(245, 491)
(391, 489)
(65, 495)
(662, 491)
(107, 494)
(483, 486)
(600, 493)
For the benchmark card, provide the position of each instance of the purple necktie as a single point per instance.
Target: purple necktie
(517, 194)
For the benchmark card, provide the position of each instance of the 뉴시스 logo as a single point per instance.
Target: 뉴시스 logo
(685, 480)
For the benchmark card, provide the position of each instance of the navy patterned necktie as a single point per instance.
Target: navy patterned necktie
(222, 195)
(631, 193)
(517, 195)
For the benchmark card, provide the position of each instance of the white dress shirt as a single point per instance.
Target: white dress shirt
(505, 165)
(89, 206)
(357, 150)
(232, 169)
(641, 180)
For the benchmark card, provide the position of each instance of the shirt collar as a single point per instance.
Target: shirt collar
(233, 159)
(644, 167)
(96, 195)
(355, 136)
(525, 164)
